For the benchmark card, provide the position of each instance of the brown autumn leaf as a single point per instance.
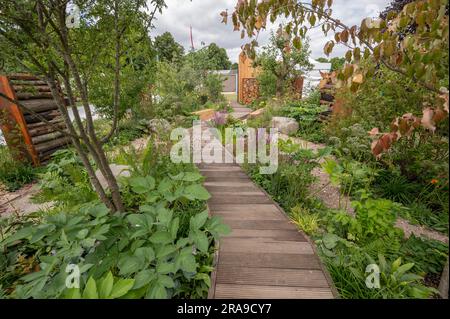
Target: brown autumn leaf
(322, 83)
(224, 15)
(259, 23)
(383, 144)
(344, 36)
(439, 115)
(358, 78)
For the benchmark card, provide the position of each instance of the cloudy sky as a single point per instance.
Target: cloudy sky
(204, 17)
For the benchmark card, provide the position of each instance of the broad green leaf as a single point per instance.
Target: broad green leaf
(164, 215)
(396, 264)
(161, 237)
(143, 278)
(196, 191)
(157, 291)
(403, 269)
(142, 185)
(145, 252)
(174, 225)
(121, 287)
(198, 220)
(90, 291)
(188, 263)
(330, 240)
(187, 177)
(105, 286)
(165, 251)
(82, 233)
(130, 264)
(20, 234)
(201, 241)
(166, 281)
(72, 293)
(165, 268)
(137, 220)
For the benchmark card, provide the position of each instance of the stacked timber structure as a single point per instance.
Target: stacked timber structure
(28, 137)
(327, 88)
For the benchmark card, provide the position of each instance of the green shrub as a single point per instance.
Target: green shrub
(162, 247)
(14, 174)
(306, 112)
(213, 85)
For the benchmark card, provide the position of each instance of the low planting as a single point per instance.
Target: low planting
(349, 244)
(162, 246)
(14, 174)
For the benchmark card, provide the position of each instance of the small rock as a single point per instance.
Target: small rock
(117, 170)
(285, 125)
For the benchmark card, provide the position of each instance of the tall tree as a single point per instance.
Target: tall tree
(421, 56)
(211, 57)
(167, 49)
(39, 33)
(284, 59)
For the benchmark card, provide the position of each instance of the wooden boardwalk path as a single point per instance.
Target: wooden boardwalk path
(265, 256)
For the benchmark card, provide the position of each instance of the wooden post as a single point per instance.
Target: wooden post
(14, 126)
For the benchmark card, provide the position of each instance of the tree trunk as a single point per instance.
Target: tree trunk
(116, 74)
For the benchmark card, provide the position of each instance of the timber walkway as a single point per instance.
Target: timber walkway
(265, 256)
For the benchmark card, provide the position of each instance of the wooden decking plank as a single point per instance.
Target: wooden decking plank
(265, 256)
(237, 199)
(270, 260)
(275, 234)
(227, 274)
(229, 291)
(234, 184)
(258, 208)
(233, 189)
(246, 215)
(225, 174)
(264, 245)
(227, 179)
(258, 224)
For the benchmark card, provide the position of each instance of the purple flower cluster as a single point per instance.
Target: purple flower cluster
(220, 118)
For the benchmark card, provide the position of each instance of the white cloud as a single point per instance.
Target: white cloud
(204, 17)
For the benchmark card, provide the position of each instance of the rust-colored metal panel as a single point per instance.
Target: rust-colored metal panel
(246, 70)
(14, 126)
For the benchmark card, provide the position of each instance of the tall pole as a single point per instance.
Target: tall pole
(192, 39)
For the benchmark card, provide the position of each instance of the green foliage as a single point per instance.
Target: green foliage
(210, 57)
(177, 90)
(184, 89)
(14, 174)
(373, 219)
(305, 220)
(395, 279)
(213, 87)
(65, 182)
(106, 287)
(306, 111)
(289, 184)
(162, 247)
(279, 65)
(167, 49)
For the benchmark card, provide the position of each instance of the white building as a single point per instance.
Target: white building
(312, 78)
